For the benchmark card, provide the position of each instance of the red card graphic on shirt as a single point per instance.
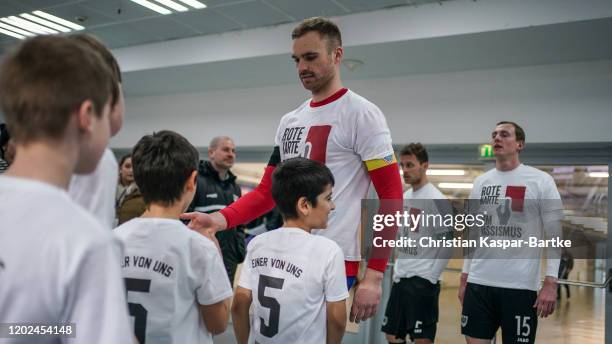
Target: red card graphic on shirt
(517, 194)
(316, 142)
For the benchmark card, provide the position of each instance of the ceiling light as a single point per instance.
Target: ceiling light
(58, 20)
(194, 3)
(173, 5)
(13, 23)
(35, 23)
(434, 172)
(152, 6)
(12, 34)
(16, 30)
(44, 22)
(29, 25)
(599, 174)
(455, 185)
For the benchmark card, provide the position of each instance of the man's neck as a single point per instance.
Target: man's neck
(48, 163)
(221, 171)
(327, 91)
(417, 186)
(297, 223)
(155, 210)
(507, 163)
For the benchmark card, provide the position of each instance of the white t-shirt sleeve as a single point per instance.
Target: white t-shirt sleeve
(551, 207)
(211, 282)
(278, 136)
(96, 191)
(335, 277)
(95, 299)
(372, 138)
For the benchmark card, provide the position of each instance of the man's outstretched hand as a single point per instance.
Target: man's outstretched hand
(205, 224)
(367, 296)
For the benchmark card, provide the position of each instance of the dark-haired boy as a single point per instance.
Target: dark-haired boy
(59, 266)
(175, 279)
(296, 280)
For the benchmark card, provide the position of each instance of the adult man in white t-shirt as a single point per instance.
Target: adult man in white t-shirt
(412, 308)
(59, 266)
(502, 287)
(96, 191)
(349, 135)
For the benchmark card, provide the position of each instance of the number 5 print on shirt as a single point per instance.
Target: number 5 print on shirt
(271, 303)
(137, 310)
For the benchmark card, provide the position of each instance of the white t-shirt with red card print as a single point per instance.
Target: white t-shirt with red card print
(342, 133)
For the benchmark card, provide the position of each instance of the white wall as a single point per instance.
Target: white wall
(554, 103)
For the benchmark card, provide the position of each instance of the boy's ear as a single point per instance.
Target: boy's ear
(85, 114)
(303, 206)
(191, 183)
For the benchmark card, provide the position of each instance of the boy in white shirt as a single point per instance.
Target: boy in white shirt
(175, 279)
(59, 266)
(92, 190)
(298, 279)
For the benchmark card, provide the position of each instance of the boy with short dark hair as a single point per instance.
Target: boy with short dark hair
(298, 278)
(59, 266)
(175, 278)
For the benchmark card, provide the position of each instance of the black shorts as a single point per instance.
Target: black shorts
(486, 308)
(412, 309)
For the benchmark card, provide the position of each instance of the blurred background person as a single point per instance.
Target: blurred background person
(130, 203)
(217, 188)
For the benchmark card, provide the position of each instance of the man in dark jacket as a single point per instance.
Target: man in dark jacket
(216, 189)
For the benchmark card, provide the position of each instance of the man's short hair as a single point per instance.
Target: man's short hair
(518, 131)
(295, 178)
(416, 149)
(216, 140)
(93, 43)
(45, 81)
(162, 163)
(325, 27)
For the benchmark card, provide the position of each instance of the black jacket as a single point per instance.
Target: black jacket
(213, 194)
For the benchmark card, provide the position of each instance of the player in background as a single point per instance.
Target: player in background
(59, 266)
(92, 190)
(175, 280)
(501, 288)
(412, 308)
(347, 133)
(295, 280)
